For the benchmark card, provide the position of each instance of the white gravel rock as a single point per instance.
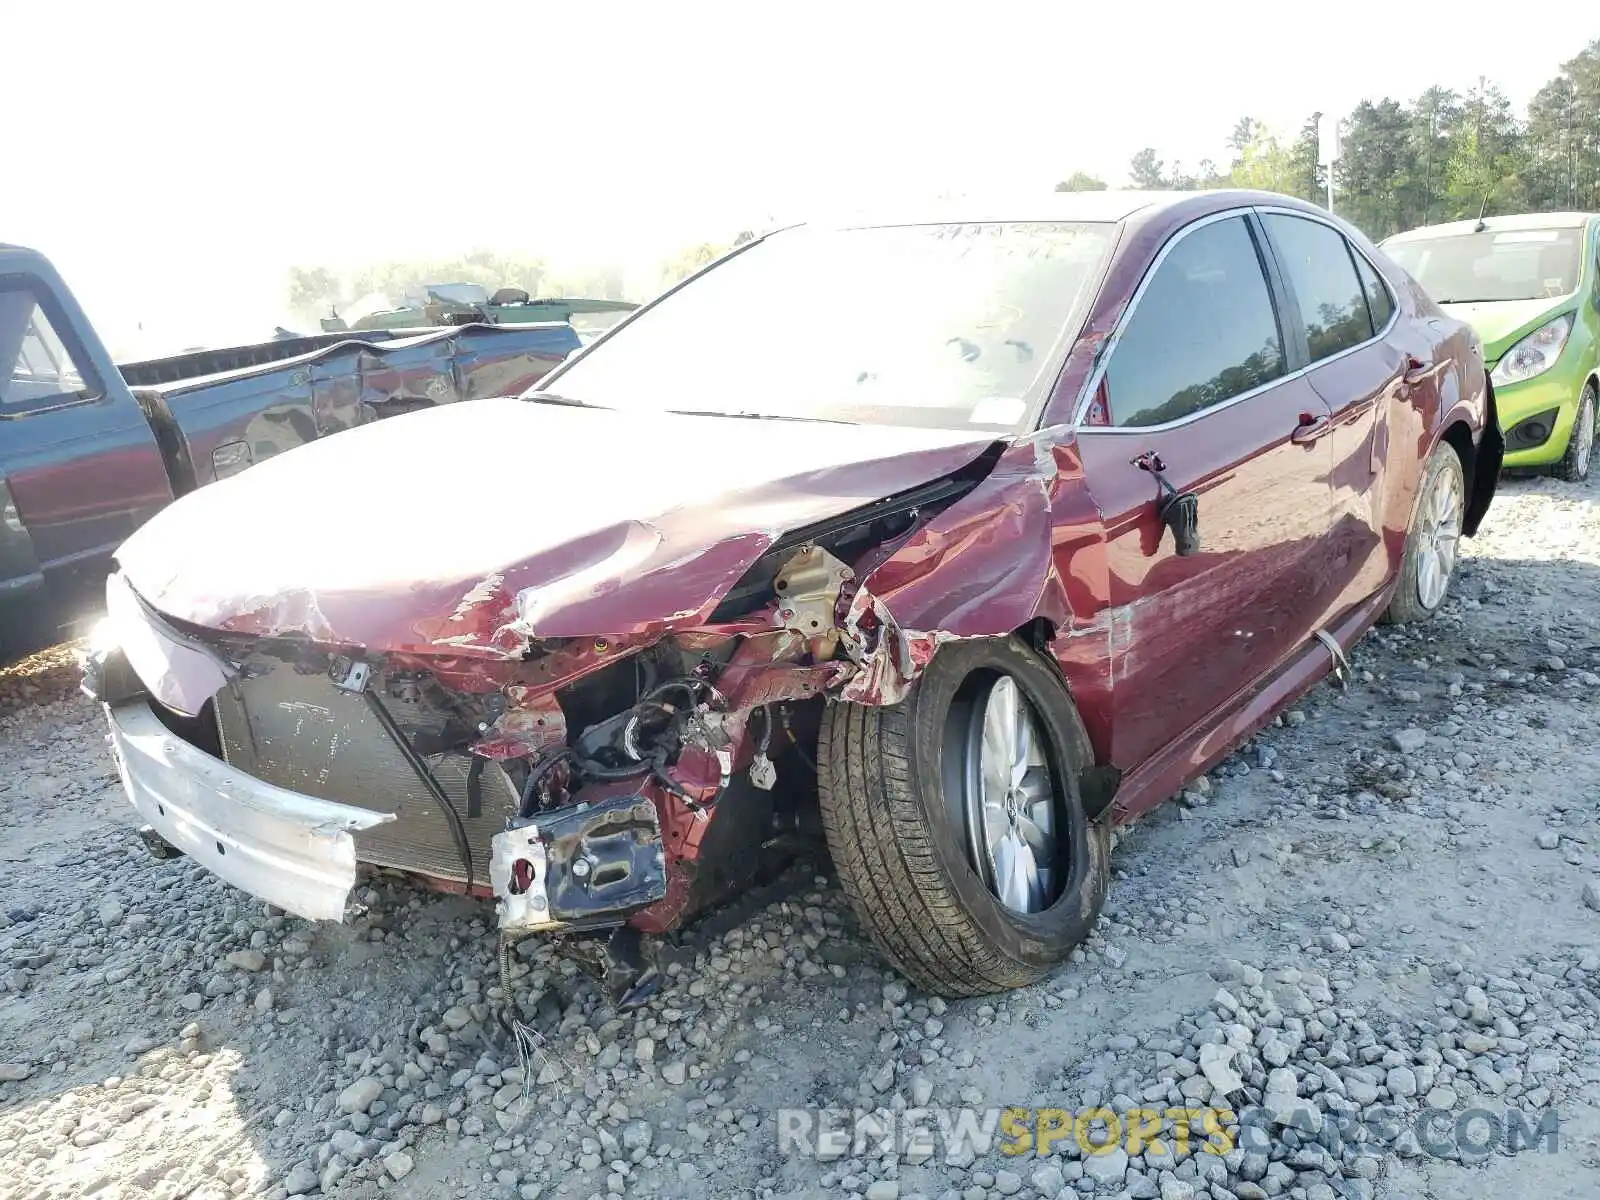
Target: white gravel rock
(359, 1096)
(1108, 1168)
(1409, 741)
(1215, 1064)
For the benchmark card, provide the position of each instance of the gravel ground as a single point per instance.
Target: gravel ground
(1387, 905)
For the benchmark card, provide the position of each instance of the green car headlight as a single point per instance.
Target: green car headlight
(1534, 354)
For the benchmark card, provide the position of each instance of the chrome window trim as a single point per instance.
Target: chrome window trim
(1086, 394)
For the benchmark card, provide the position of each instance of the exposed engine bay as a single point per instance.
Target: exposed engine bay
(589, 784)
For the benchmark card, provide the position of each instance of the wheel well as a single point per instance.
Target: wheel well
(1037, 633)
(1459, 435)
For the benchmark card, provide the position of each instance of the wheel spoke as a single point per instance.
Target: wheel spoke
(1445, 510)
(995, 820)
(998, 734)
(1426, 569)
(1022, 750)
(1016, 874)
(1447, 552)
(1037, 827)
(1009, 722)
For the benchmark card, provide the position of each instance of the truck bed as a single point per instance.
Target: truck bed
(197, 363)
(216, 412)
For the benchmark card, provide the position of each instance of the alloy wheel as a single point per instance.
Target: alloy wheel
(1583, 431)
(1009, 799)
(1439, 534)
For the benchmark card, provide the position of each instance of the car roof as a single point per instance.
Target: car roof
(1558, 220)
(1109, 206)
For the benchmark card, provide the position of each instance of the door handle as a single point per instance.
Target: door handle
(1311, 427)
(1419, 372)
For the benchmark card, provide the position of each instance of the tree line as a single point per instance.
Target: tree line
(1443, 156)
(315, 291)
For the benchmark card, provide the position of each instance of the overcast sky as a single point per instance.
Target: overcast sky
(174, 160)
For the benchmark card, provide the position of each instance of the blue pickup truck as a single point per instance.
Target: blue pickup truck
(89, 449)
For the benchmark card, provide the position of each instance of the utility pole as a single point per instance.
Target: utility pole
(1333, 157)
(1427, 170)
(1316, 130)
(1329, 148)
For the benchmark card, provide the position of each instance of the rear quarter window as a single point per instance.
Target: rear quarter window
(1380, 301)
(36, 367)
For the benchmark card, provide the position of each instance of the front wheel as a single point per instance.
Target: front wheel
(955, 821)
(1432, 541)
(1574, 464)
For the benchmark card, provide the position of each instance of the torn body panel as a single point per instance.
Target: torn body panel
(999, 558)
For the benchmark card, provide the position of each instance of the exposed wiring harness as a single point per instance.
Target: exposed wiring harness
(645, 739)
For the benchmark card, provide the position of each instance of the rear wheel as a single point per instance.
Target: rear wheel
(1432, 541)
(955, 821)
(1574, 465)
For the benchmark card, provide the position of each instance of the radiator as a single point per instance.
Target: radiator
(302, 733)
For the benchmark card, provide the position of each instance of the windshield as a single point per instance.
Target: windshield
(930, 325)
(1512, 264)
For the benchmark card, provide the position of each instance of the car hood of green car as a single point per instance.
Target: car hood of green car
(1502, 323)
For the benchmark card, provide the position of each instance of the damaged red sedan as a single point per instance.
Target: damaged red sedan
(1079, 496)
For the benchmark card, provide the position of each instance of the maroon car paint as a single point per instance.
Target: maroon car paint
(599, 533)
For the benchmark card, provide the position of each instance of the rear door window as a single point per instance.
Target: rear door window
(1317, 261)
(35, 365)
(1203, 331)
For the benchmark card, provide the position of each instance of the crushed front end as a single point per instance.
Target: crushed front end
(584, 783)
(281, 766)
(611, 784)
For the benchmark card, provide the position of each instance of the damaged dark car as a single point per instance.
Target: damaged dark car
(1080, 496)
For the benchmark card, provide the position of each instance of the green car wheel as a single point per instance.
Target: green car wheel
(1574, 465)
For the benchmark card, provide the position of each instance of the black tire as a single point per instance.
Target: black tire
(1406, 606)
(899, 844)
(1575, 463)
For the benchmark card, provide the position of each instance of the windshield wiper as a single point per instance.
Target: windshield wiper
(744, 415)
(565, 401)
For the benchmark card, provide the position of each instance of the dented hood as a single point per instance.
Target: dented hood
(474, 527)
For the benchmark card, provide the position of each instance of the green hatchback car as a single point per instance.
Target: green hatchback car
(1530, 286)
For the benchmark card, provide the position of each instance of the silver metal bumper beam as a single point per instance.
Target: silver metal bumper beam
(283, 847)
